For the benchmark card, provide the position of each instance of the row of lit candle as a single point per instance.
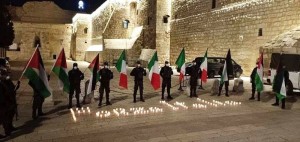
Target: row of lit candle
(233, 103)
(181, 104)
(169, 105)
(73, 114)
(103, 114)
(199, 106)
(83, 111)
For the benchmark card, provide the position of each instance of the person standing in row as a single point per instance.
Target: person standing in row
(138, 72)
(194, 76)
(75, 77)
(105, 76)
(252, 77)
(226, 81)
(166, 73)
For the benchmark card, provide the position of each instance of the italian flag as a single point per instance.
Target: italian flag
(224, 76)
(94, 68)
(37, 75)
(180, 62)
(121, 67)
(204, 68)
(60, 70)
(259, 75)
(154, 72)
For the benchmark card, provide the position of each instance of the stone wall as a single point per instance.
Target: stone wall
(52, 37)
(41, 12)
(232, 24)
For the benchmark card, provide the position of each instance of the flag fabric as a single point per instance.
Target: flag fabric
(203, 67)
(259, 75)
(121, 67)
(224, 76)
(60, 70)
(94, 68)
(279, 81)
(37, 75)
(154, 72)
(180, 62)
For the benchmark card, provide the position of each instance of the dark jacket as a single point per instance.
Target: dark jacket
(138, 73)
(195, 74)
(166, 72)
(75, 76)
(105, 75)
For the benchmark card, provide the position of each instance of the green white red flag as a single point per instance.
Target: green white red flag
(121, 67)
(37, 75)
(204, 68)
(259, 75)
(154, 72)
(224, 76)
(180, 62)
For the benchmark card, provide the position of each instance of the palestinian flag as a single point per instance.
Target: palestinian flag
(180, 62)
(279, 83)
(60, 70)
(204, 68)
(37, 75)
(121, 67)
(259, 75)
(154, 72)
(94, 68)
(224, 76)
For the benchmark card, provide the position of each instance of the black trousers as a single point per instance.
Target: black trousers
(37, 104)
(193, 90)
(74, 88)
(254, 90)
(282, 102)
(226, 87)
(104, 86)
(7, 121)
(138, 84)
(166, 83)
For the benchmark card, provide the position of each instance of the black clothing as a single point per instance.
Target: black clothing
(75, 77)
(252, 77)
(38, 101)
(221, 84)
(138, 73)
(166, 73)
(105, 76)
(194, 76)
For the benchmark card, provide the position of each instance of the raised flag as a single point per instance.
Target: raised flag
(37, 75)
(180, 62)
(259, 74)
(121, 67)
(203, 67)
(229, 64)
(94, 68)
(154, 72)
(279, 83)
(60, 70)
(224, 76)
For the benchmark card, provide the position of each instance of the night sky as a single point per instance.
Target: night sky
(90, 5)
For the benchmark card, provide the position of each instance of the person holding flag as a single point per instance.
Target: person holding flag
(75, 77)
(256, 78)
(224, 79)
(105, 75)
(281, 79)
(194, 76)
(180, 62)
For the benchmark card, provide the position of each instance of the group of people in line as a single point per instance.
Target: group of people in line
(8, 103)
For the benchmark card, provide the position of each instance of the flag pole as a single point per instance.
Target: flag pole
(28, 63)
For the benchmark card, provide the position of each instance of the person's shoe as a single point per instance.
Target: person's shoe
(162, 98)
(227, 95)
(100, 104)
(14, 129)
(283, 107)
(41, 114)
(252, 98)
(170, 98)
(275, 104)
(142, 100)
(34, 117)
(196, 96)
(108, 103)
(258, 99)
(134, 101)
(78, 106)
(3, 137)
(219, 94)
(69, 107)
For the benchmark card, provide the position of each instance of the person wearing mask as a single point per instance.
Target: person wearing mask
(75, 77)
(105, 75)
(194, 76)
(138, 72)
(166, 73)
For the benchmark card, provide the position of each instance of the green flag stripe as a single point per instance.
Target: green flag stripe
(181, 59)
(152, 61)
(37, 82)
(62, 75)
(120, 61)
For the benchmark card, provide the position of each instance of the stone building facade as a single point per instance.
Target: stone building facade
(245, 26)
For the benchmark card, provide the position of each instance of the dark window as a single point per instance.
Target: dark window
(260, 32)
(214, 4)
(85, 30)
(165, 18)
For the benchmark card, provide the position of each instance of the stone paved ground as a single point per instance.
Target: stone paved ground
(251, 121)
